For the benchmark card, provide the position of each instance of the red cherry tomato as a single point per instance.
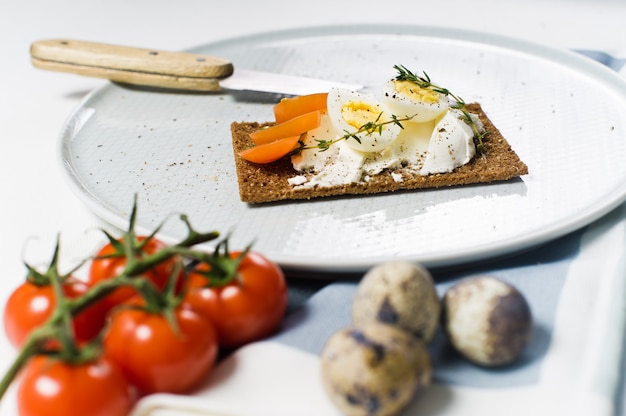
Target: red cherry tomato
(104, 268)
(51, 387)
(30, 305)
(247, 309)
(156, 357)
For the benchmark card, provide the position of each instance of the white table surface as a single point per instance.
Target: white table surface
(37, 203)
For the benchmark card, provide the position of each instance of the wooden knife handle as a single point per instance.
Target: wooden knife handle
(131, 65)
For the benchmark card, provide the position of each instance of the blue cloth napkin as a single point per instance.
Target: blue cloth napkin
(576, 287)
(604, 58)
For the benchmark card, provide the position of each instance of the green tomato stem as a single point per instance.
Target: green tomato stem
(60, 327)
(32, 347)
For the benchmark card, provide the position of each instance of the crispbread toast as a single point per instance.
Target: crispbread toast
(269, 182)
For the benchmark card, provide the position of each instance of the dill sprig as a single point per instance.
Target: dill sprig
(371, 127)
(424, 81)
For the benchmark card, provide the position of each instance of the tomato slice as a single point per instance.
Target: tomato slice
(270, 152)
(289, 108)
(293, 127)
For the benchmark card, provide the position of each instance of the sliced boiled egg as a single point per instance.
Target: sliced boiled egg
(407, 99)
(351, 111)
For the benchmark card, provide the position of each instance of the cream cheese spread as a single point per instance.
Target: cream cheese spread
(439, 144)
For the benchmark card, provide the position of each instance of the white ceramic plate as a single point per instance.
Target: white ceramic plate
(562, 113)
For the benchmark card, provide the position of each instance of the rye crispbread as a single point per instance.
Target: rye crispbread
(268, 182)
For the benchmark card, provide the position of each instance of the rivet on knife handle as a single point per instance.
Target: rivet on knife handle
(125, 64)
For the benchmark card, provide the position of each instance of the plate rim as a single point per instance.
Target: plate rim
(477, 254)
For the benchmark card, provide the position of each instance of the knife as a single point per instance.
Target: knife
(165, 69)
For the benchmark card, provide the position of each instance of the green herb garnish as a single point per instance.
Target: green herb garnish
(405, 74)
(370, 127)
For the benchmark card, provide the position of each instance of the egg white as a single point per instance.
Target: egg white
(350, 110)
(406, 100)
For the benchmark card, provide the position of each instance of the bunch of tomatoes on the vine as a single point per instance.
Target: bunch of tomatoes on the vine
(149, 318)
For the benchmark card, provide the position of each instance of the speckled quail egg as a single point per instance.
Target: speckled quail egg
(487, 320)
(374, 369)
(398, 293)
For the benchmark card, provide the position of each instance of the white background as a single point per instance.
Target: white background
(35, 202)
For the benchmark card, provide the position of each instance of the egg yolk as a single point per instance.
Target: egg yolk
(358, 113)
(415, 92)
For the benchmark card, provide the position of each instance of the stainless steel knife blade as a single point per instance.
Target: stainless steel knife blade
(244, 79)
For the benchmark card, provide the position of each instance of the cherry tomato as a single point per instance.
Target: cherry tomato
(51, 387)
(104, 268)
(156, 357)
(247, 309)
(30, 305)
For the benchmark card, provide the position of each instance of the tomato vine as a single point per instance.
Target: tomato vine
(56, 337)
